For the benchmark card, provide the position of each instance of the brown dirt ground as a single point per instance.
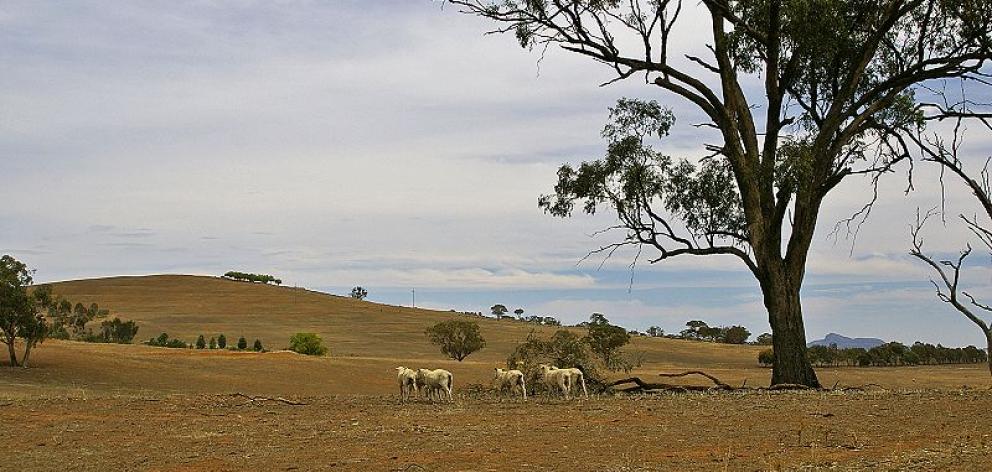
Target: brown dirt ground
(109, 407)
(923, 430)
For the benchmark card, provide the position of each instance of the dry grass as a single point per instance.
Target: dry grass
(106, 407)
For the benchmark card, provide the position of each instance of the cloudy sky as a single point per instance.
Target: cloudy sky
(388, 144)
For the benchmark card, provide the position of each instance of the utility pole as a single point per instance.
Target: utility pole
(414, 292)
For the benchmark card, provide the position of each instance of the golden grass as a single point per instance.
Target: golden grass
(366, 341)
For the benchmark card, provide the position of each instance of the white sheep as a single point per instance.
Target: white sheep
(436, 383)
(575, 377)
(510, 380)
(555, 377)
(407, 378)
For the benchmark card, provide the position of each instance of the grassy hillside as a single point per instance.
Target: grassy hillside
(367, 341)
(186, 306)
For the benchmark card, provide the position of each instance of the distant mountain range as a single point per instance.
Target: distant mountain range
(844, 342)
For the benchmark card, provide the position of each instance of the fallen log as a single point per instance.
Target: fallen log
(642, 386)
(252, 399)
(716, 382)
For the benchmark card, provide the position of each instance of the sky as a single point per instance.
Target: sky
(392, 145)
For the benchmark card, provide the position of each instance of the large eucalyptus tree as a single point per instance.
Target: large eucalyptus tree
(802, 94)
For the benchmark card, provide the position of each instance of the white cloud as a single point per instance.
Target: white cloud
(329, 142)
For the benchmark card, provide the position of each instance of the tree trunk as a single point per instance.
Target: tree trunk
(27, 354)
(791, 366)
(988, 349)
(13, 354)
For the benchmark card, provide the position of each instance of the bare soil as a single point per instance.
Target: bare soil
(924, 430)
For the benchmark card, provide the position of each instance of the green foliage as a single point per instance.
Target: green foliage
(21, 311)
(255, 278)
(163, 340)
(764, 339)
(734, 335)
(498, 310)
(307, 343)
(766, 357)
(213, 343)
(542, 320)
(222, 341)
(895, 354)
(359, 293)
(633, 174)
(118, 331)
(563, 349)
(257, 347)
(456, 338)
(242, 343)
(887, 355)
(201, 343)
(655, 332)
(605, 340)
(81, 315)
(699, 330)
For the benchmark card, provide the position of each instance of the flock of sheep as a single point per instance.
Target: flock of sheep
(436, 384)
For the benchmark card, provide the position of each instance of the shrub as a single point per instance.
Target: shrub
(766, 357)
(258, 346)
(457, 338)
(117, 331)
(359, 293)
(562, 349)
(163, 341)
(213, 343)
(58, 332)
(249, 277)
(307, 343)
(605, 340)
(222, 341)
(201, 343)
(242, 343)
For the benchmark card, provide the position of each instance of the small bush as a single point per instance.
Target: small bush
(213, 343)
(163, 341)
(242, 343)
(118, 331)
(258, 346)
(201, 343)
(563, 349)
(456, 338)
(766, 357)
(222, 341)
(58, 332)
(307, 343)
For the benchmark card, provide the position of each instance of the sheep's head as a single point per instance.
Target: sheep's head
(400, 369)
(497, 373)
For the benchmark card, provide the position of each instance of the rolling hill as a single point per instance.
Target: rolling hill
(367, 340)
(187, 306)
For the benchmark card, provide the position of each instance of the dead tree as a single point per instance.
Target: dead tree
(957, 108)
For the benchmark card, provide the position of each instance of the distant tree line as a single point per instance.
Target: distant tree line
(887, 355)
(248, 277)
(700, 331)
(502, 313)
(219, 342)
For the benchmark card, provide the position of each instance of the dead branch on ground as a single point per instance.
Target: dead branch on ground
(252, 399)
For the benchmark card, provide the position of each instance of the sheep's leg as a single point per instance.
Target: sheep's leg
(523, 388)
(584, 391)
